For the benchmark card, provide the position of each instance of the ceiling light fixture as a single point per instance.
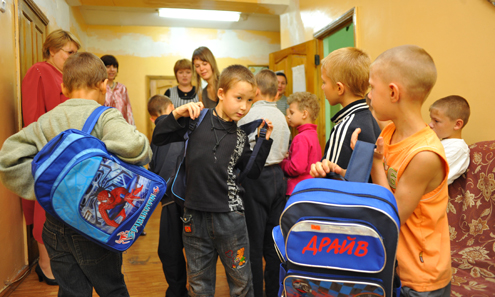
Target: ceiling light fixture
(199, 14)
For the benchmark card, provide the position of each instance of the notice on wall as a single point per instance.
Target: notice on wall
(298, 79)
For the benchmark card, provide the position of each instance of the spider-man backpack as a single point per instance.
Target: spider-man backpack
(339, 237)
(79, 182)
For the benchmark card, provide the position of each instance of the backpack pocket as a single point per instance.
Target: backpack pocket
(341, 245)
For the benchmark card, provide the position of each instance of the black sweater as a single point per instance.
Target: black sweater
(211, 176)
(355, 115)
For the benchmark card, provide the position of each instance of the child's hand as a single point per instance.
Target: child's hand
(354, 137)
(378, 155)
(269, 129)
(192, 110)
(320, 169)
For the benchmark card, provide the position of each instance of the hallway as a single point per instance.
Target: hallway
(142, 269)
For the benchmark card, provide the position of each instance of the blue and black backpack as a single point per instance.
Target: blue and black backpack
(77, 181)
(339, 238)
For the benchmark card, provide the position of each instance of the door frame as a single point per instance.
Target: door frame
(344, 20)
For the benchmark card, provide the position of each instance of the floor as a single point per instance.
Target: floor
(142, 269)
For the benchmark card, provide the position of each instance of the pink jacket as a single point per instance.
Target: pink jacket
(304, 151)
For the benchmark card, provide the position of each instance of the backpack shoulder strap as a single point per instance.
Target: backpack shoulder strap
(361, 161)
(251, 126)
(93, 118)
(193, 124)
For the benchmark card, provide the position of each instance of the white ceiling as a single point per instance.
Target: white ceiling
(145, 16)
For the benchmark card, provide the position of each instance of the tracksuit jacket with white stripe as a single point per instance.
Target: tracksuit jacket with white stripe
(355, 115)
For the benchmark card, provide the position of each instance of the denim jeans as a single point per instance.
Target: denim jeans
(79, 264)
(211, 235)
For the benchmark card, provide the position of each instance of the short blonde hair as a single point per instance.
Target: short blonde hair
(83, 70)
(56, 40)
(351, 67)
(306, 101)
(158, 104)
(411, 66)
(234, 74)
(455, 107)
(267, 82)
(181, 65)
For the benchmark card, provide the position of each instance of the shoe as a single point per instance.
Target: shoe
(42, 277)
(143, 233)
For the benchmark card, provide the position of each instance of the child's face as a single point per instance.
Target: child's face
(203, 68)
(441, 123)
(234, 104)
(378, 95)
(184, 77)
(329, 88)
(295, 116)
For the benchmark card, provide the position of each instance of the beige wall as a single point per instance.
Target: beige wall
(11, 234)
(459, 34)
(143, 51)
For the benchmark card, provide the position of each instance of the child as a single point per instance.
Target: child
(381, 124)
(305, 149)
(77, 263)
(449, 116)
(213, 220)
(185, 92)
(345, 74)
(264, 199)
(410, 161)
(170, 244)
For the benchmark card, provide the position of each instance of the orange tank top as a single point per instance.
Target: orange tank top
(423, 252)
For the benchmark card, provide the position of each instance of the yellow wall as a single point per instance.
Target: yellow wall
(11, 234)
(143, 51)
(459, 35)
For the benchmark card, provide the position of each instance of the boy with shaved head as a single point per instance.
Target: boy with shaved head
(410, 161)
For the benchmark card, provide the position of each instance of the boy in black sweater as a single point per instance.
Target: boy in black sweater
(170, 242)
(213, 220)
(345, 75)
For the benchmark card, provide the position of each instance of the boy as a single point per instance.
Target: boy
(77, 263)
(213, 220)
(410, 161)
(170, 244)
(264, 199)
(345, 74)
(305, 149)
(449, 116)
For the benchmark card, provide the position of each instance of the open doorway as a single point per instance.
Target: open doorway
(157, 85)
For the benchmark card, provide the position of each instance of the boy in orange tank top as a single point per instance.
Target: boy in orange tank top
(410, 161)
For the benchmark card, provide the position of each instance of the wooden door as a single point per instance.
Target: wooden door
(158, 85)
(32, 34)
(302, 54)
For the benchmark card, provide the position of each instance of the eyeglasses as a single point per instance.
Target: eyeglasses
(69, 52)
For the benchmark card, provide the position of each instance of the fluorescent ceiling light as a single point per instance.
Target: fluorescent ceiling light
(199, 14)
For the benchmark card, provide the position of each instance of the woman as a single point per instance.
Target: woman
(185, 92)
(281, 99)
(41, 92)
(206, 68)
(116, 92)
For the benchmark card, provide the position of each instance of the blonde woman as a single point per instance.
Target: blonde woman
(41, 92)
(206, 68)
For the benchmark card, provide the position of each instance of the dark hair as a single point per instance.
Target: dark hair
(110, 60)
(83, 70)
(158, 104)
(282, 74)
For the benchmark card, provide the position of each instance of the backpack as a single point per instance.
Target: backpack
(77, 181)
(177, 185)
(339, 237)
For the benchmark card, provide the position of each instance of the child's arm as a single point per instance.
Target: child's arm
(297, 162)
(175, 125)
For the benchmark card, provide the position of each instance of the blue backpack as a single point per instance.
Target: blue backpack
(77, 181)
(339, 237)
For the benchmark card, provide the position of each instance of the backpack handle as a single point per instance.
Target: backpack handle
(93, 118)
